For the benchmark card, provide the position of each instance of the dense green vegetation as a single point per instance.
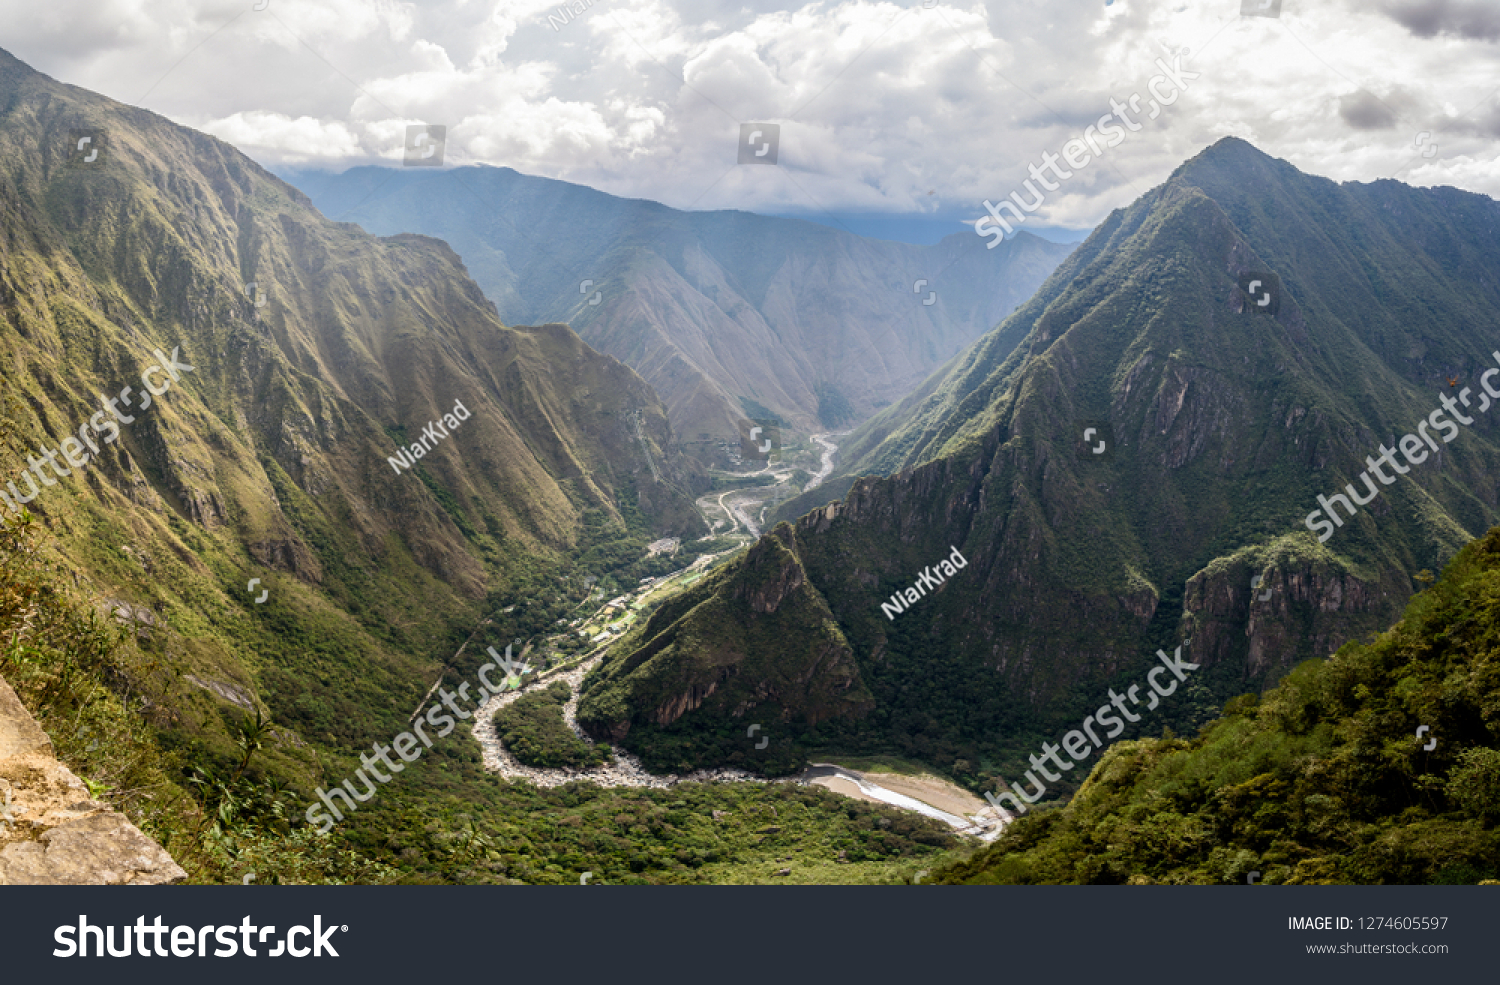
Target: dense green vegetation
(533, 730)
(834, 409)
(705, 642)
(757, 411)
(1324, 779)
(691, 833)
(94, 688)
(223, 812)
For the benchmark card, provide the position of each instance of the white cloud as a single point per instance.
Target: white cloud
(879, 102)
(304, 141)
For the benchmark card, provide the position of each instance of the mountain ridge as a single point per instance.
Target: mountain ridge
(1222, 425)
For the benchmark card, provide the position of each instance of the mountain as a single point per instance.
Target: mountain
(1218, 422)
(728, 315)
(759, 636)
(343, 419)
(1327, 778)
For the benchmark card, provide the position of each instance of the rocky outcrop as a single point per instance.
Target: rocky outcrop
(690, 700)
(52, 832)
(768, 575)
(1300, 608)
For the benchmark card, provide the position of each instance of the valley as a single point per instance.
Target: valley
(245, 593)
(746, 506)
(610, 620)
(725, 314)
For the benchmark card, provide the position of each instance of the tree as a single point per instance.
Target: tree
(1474, 784)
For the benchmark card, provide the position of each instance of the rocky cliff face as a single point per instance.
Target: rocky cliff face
(1300, 607)
(52, 832)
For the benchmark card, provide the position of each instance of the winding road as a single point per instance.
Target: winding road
(739, 504)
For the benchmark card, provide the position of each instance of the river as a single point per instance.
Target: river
(626, 770)
(745, 507)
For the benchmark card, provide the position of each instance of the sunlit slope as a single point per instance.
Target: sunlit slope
(270, 457)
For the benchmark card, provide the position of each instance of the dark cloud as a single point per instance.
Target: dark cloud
(1477, 19)
(1362, 111)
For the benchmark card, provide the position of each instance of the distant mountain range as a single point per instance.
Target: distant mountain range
(1118, 461)
(728, 315)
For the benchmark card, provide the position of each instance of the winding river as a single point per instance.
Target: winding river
(626, 770)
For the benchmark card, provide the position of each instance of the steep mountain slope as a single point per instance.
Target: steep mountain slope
(1223, 420)
(1328, 778)
(721, 312)
(271, 455)
(761, 639)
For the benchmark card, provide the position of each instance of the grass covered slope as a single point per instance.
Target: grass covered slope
(270, 459)
(1322, 780)
(108, 697)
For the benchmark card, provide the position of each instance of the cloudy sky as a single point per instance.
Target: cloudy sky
(918, 108)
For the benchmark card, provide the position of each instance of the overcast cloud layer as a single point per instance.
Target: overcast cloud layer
(903, 108)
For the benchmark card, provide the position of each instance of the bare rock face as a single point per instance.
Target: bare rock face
(1300, 609)
(52, 832)
(20, 735)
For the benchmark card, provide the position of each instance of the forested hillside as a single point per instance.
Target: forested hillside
(1327, 778)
